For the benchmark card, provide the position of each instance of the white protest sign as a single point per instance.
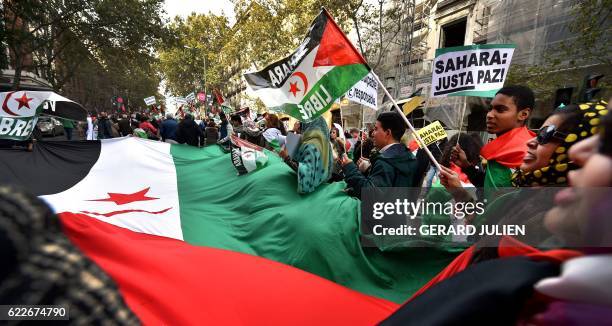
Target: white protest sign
(190, 97)
(432, 132)
(180, 100)
(365, 92)
(150, 100)
(474, 70)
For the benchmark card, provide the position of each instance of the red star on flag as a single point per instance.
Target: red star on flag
(293, 88)
(23, 101)
(122, 199)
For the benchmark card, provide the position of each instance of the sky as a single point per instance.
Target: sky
(185, 7)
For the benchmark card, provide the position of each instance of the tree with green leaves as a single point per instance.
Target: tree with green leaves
(191, 60)
(60, 35)
(377, 28)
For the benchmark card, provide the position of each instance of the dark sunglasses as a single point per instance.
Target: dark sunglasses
(548, 133)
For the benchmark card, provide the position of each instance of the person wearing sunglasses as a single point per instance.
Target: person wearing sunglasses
(581, 217)
(547, 162)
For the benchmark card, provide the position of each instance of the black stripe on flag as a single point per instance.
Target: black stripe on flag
(261, 79)
(51, 168)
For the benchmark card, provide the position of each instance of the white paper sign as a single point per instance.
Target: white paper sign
(474, 70)
(190, 97)
(365, 92)
(292, 143)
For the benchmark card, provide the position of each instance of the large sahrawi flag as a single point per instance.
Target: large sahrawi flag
(179, 232)
(306, 83)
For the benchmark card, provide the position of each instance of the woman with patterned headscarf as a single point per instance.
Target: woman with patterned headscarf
(313, 161)
(547, 162)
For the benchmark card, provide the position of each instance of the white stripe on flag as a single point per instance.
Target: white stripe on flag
(125, 166)
(273, 97)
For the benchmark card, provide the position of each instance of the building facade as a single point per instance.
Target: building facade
(536, 27)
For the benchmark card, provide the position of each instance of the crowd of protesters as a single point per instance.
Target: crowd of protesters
(496, 278)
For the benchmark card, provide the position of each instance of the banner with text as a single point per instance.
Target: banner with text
(246, 156)
(190, 97)
(474, 70)
(365, 92)
(432, 132)
(150, 100)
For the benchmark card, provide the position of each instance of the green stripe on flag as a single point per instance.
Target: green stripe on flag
(332, 85)
(262, 214)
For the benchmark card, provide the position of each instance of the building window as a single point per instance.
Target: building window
(453, 34)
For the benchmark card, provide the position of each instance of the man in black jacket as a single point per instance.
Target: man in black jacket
(104, 127)
(124, 126)
(188, 132)
(393, 166)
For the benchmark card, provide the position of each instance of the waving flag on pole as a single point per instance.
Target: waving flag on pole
(219, 97)
(19, 111)
(305, 84)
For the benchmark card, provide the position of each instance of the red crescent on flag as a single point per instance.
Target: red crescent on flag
(5, 106)
(301, 75)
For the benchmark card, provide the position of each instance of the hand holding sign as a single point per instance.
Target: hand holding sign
(459, 157)
(449, 178)
(432, 132)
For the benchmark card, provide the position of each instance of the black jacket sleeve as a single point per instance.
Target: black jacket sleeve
(381, 175)
(476, 174)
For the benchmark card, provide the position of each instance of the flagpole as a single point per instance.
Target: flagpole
(341, 117)
(461, 120)
(416, 135)
(362, 130)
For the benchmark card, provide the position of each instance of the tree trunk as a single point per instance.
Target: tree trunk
(17, 76)
(354, 18)
(380, 33)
